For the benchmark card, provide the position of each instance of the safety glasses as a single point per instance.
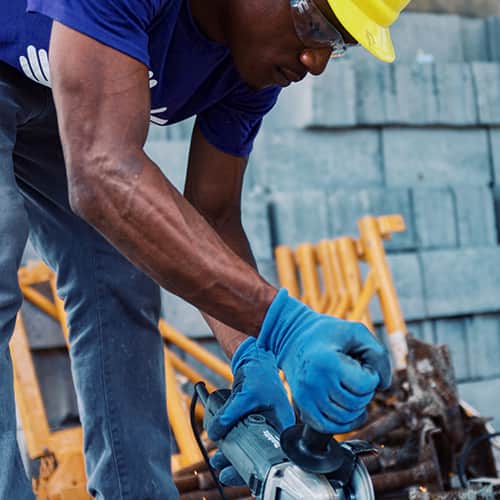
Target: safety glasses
(315, 30)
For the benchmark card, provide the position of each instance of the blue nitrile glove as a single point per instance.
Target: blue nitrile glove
(333, 366)
(257, 388)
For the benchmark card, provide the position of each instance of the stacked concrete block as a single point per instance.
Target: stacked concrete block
(436, 157)
(255, 219)
(483, 397)
(453, 333)
(434, 215)
(493, 31)
(294, 160)
(347, 206)
(487, 83)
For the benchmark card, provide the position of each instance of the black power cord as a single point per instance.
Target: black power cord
(462, 461)
(197, 436)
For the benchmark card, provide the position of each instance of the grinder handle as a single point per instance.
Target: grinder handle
(315, 442)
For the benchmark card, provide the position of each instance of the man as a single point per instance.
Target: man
(114, 228)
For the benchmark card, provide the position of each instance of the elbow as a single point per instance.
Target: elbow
(84, 200)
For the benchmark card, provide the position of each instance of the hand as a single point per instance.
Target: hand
(333, 366)
(257, 388)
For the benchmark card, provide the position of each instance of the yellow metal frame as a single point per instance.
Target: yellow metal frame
(331, 280)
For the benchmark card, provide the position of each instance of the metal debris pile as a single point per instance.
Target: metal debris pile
(422, 434)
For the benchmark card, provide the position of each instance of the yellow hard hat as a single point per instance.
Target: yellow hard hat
(368, 21)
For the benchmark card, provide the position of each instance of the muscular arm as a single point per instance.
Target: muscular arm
(102, 102)
(213, 187)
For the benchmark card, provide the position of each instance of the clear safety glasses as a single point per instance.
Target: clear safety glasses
(315, 30)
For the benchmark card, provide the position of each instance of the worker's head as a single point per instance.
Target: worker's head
(280, 41)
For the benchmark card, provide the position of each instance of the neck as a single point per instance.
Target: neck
(209, 20)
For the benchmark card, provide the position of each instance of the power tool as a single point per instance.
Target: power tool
(298, 465)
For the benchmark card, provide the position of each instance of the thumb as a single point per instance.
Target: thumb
(227, 417)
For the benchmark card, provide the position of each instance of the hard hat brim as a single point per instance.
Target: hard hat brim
(374, 38)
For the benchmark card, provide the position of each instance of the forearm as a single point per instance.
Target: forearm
(231, 231)
(139, 211)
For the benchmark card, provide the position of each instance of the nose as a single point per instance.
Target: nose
(315, 60)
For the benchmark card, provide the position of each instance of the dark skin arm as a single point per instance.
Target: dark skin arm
(213, 186)
(102, 102)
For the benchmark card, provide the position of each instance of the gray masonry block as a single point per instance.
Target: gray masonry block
(299, 217)
(293, 109)
(180, 131)
(296, 160)
(172, 158)
(456, 99)
(495, 153)
(418, 36)
(347, 206)
(411, 99)
(453, 333)
(334, 96)
(256, 224)
(475, 39)
(493, 30)
(475, 215)
(267, 269)
(487, 83)
(374, 87)
(438, 157)
(423, 330)
(434, 218)
(484, 345)
(483, 396)
(496, 197)
(461, 282)
(156, 133)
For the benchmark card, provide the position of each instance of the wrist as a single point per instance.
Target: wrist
(241, 352)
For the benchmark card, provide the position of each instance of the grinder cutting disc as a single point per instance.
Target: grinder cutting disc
(360, 486)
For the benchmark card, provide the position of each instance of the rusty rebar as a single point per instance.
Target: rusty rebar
(230, 493)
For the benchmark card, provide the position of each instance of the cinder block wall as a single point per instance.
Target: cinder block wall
(464, 7)
(420, 137)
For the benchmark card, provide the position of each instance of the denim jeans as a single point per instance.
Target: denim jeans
(112, 308)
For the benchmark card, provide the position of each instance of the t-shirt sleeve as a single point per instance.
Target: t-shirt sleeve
(232, 124)
(120, 24)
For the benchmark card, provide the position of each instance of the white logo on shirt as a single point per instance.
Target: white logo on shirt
(36, 67)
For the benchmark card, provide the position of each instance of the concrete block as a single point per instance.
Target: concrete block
(493, 32)
(267, 269)
(334, 96)
(459, 282)
(172, 158)
(438, 157)
(456, 99)
(299, 217)
(407, 277)
(453, 333)
(483, 334)
(475, 214)
(475, 39)
(183, 316)
(156, 133)
(483, 396)
(412, 98)
(347, 206)
(293, 109)
(496, 196)
(256, 224)
(43, 331)
(429, 36)
(434, 218)
(495, 154)
(487, 84)
(296, 160)
(374, 87)
(423, 330)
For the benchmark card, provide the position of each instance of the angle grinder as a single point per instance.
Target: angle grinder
(298, 465)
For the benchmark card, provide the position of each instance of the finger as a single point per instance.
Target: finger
(337, 414)
(234, 409)
(230, 477)
(219, 461)
(286, 415)
(356, 378)
(322, 422)
(349, 401)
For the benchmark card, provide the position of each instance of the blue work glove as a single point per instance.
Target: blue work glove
(257, 388)
(333, 366)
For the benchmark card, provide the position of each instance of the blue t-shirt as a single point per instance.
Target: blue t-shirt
(189, 74)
